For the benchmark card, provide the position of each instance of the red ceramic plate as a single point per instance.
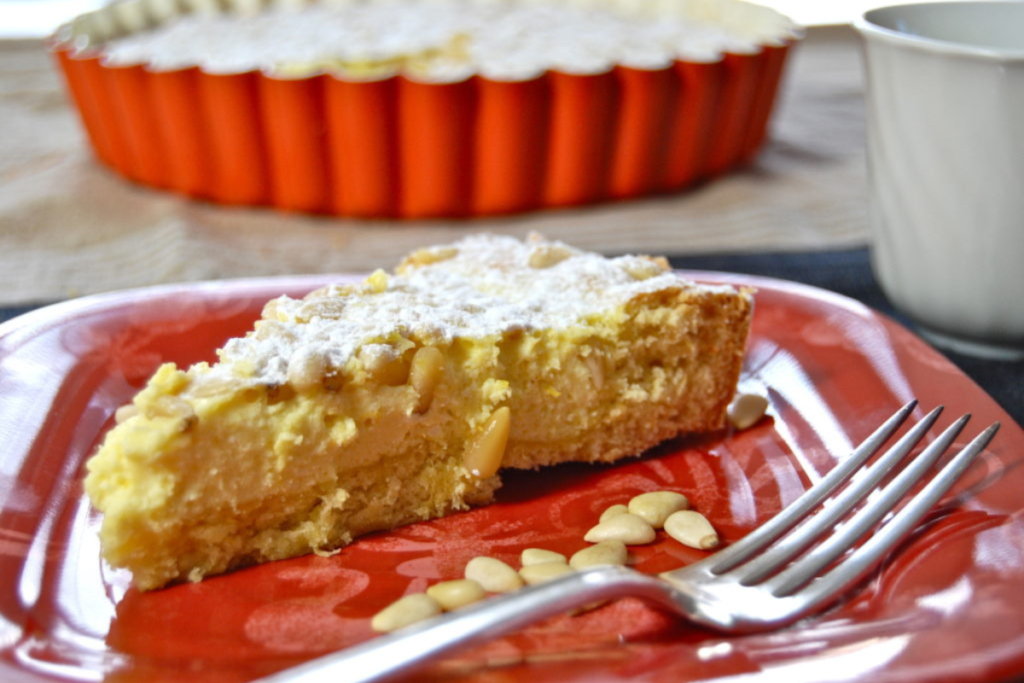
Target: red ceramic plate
(946, 608)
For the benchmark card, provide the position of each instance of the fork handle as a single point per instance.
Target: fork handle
(386, 656)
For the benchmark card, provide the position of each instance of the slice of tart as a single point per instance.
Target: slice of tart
(363, 407)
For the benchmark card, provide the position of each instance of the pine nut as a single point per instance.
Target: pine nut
(642, 269)
(589, 607)
(425, 257)
(603, 553)
(655, 507)
(425, 375)
(691, 528)
(548, 255)
(540, 556)
(272, 311)
(484, 453)
(627, 527)
(455, 594)
(659, 261)
(173, 407)
(206, 388)
(306, 369)
(168, 406)
(125, 412)
(545, 571)
(326, 307)
(613, 511)
(493, 575)
(384, 365)
(377, 282)
(746, 410)
(405, 611)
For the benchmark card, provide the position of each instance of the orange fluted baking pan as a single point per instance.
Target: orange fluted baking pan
(400, 146)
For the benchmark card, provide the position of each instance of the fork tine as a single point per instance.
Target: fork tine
(755, 541)
(869, 555)
(804, 569)
(835, 509)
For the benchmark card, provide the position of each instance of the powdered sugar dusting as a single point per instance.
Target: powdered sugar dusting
(481, 286)
(443, 40)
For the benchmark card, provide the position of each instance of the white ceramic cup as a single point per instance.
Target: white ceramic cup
(945, 125)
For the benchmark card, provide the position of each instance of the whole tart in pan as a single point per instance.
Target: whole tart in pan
(424, 108)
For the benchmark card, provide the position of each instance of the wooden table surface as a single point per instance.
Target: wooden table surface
(70, 227)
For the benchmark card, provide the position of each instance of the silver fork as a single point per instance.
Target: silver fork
(752, 585)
